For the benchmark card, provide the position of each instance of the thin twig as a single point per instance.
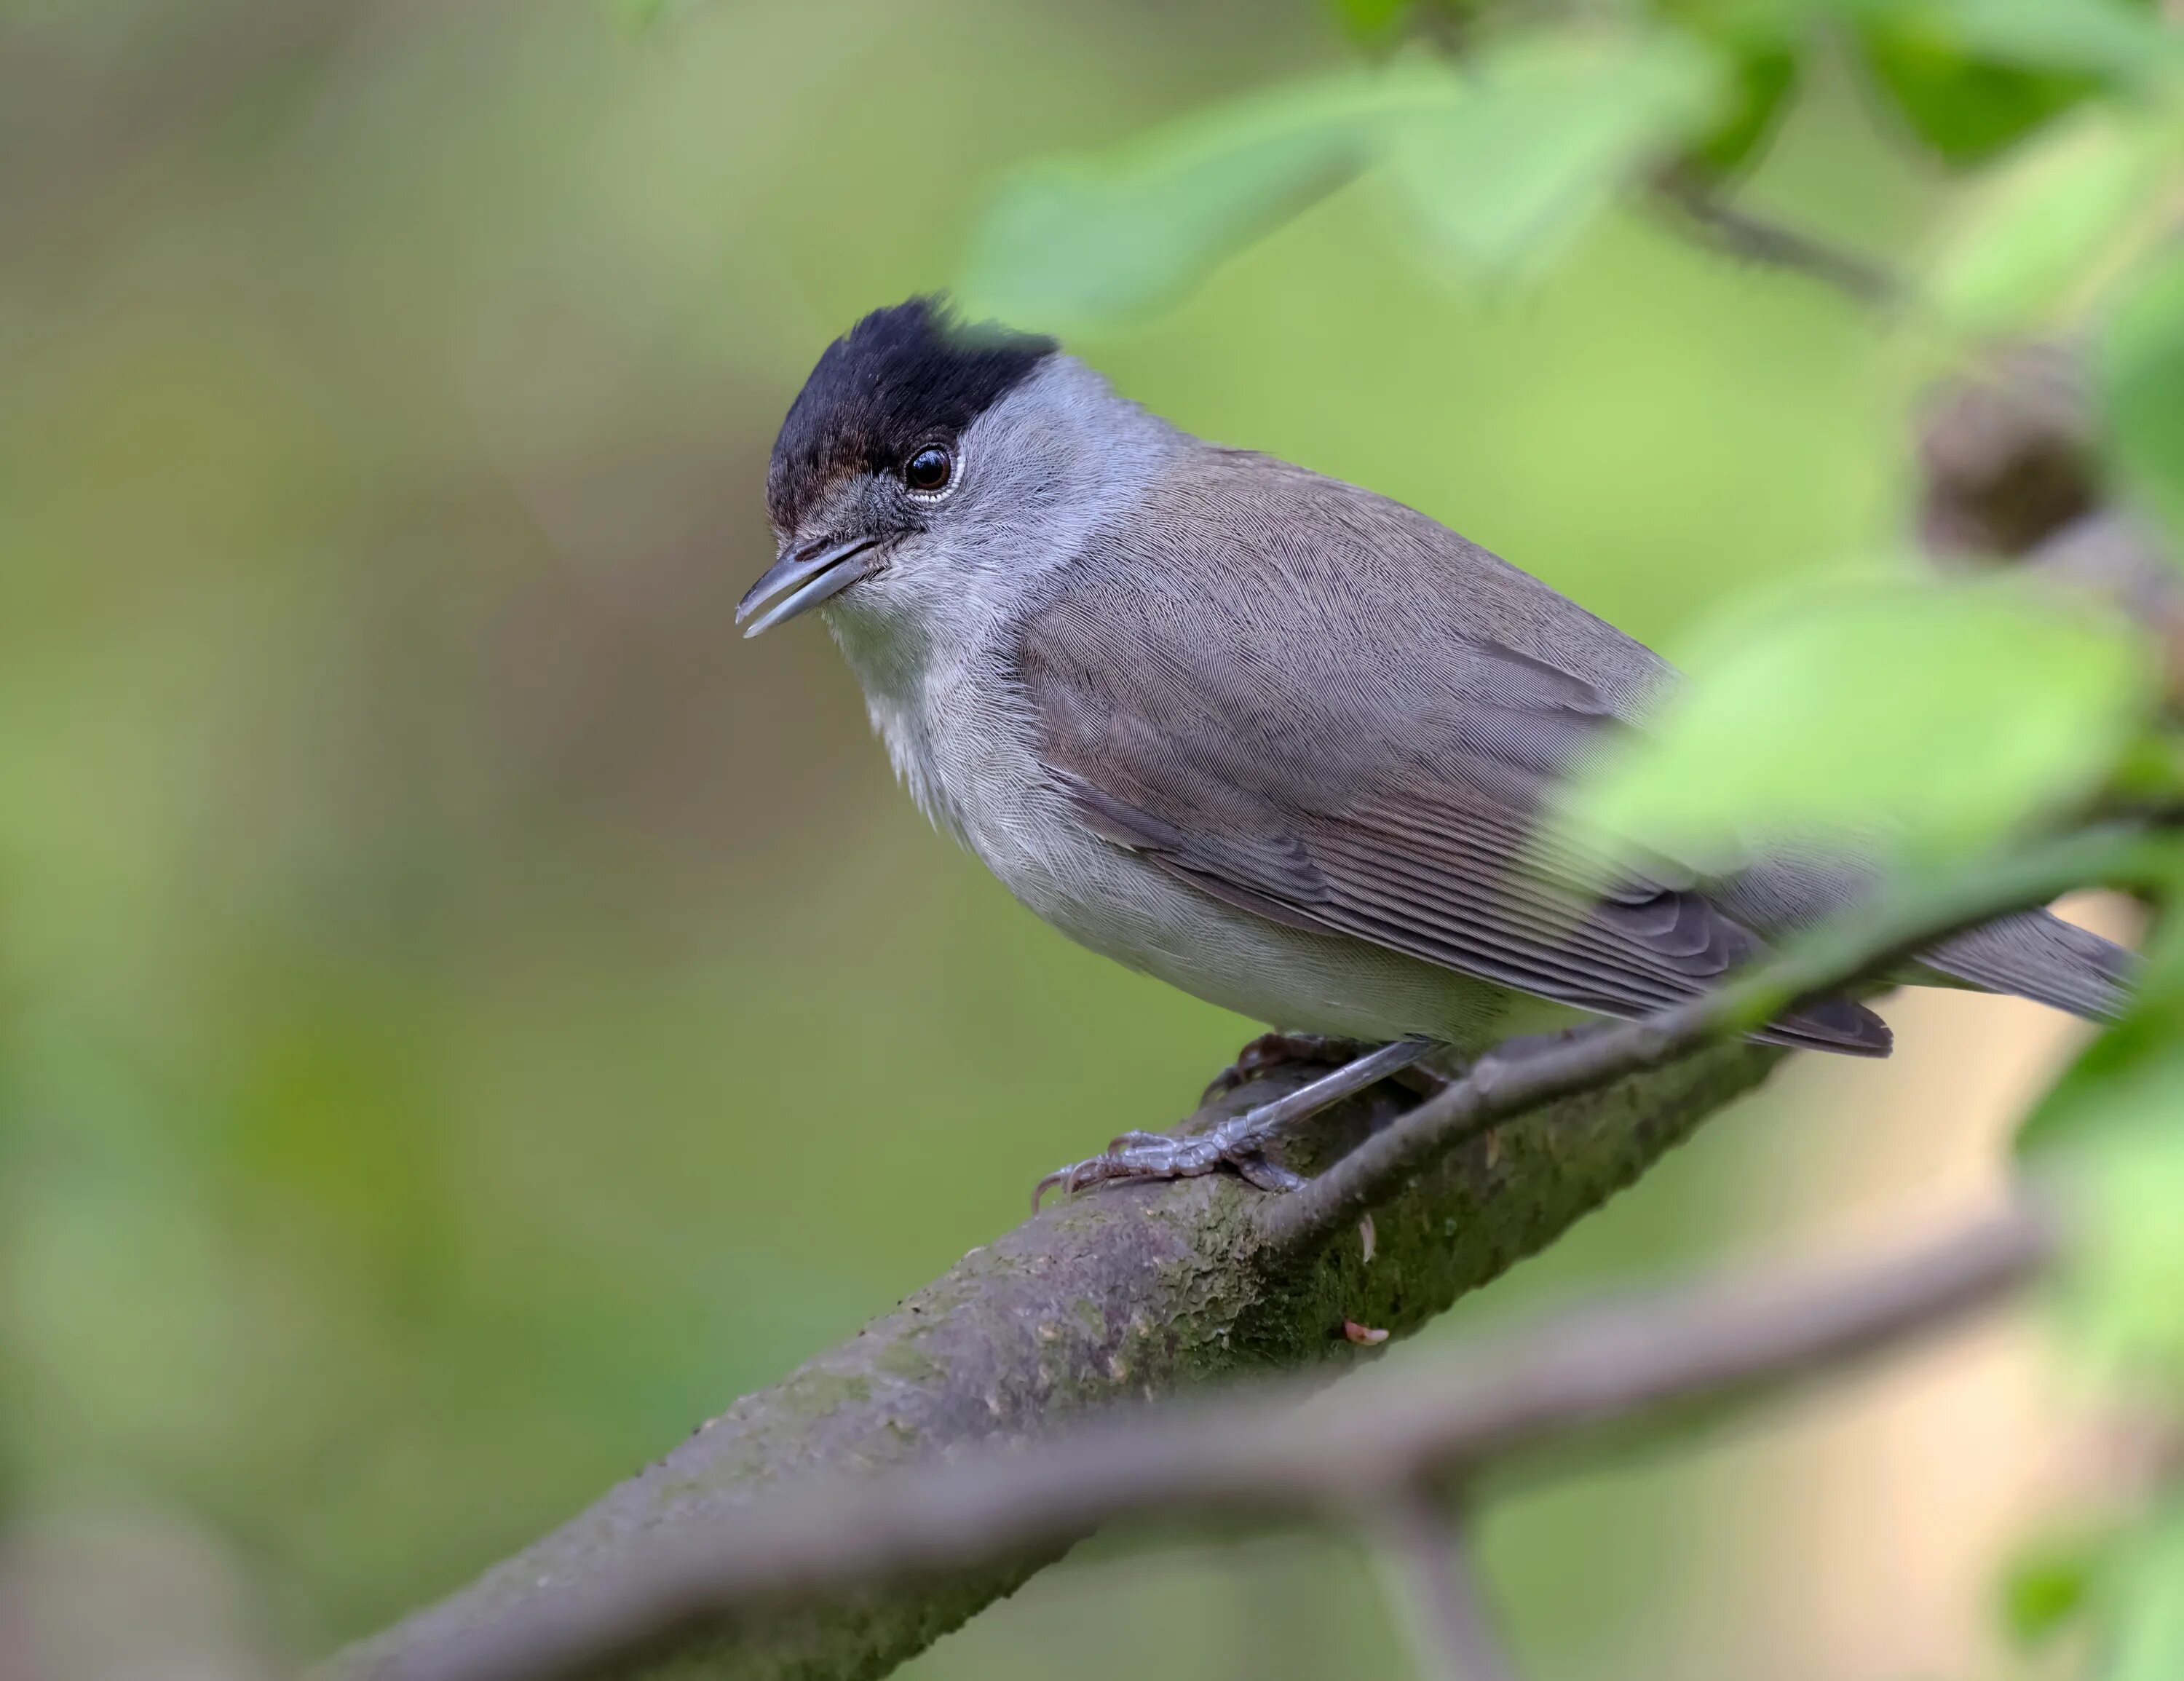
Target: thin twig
(1269, 1457)
(1696, 209)
(1425, 1557)
(1853, 949)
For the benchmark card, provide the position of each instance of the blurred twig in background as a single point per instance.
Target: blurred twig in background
(1697, 206)
(1425, 1556)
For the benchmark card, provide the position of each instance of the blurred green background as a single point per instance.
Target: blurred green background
(465, 1015)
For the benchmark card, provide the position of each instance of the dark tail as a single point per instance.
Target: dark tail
(1836, 1024)
(2037, 954)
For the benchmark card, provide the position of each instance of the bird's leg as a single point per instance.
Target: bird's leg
(1239, 1142)
(1278, 1050)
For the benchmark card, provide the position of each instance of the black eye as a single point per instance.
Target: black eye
(929, 470)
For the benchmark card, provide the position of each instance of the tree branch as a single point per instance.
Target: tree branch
(1133, 1293)
(1274, 1456)
(1426, 1557)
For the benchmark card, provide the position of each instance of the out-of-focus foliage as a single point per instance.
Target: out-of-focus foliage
(1072, 243)
(2048, 227)
(2145, 1614)
(2046, 1587)
(1927, 720)
(2141, 370)
(1499, 166)
(1506, 149)
(1972, 77)
(1371, 22)
(1542, 135)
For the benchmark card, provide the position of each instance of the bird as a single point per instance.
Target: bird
(1281, 741)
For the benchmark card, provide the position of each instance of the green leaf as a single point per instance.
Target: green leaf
(2139, 372)
(1077, 241)
(638, 16)
(1962, 108)
(2146, 1622)
(2110, 1138)
(1371, 20)
(2130, 1078)
(1761, 82)
(1940, 717)
(2047, 1586)
(1503, 163)
(2124, 45)
(1549, 129)
(2059, 216)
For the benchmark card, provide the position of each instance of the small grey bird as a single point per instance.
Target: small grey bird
(1280, 741)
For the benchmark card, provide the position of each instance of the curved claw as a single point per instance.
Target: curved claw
(1266, 1175)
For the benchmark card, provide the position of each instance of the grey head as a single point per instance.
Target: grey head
(928, 466)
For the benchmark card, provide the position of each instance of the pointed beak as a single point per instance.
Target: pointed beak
(803, 578)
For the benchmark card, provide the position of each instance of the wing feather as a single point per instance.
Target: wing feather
(1210, 735)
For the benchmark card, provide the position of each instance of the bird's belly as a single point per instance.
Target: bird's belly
(1118, 904)
(980, 779)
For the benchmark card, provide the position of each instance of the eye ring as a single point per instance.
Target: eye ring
(930, 471)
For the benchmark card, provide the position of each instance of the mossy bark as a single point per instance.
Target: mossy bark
(1127, 1294)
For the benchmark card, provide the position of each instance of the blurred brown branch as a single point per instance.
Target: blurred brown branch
(1373, 1456)
(1425, 1554)
(1696, 208)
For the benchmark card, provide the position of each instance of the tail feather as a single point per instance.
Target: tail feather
(1836, 1024)
(2037, 954)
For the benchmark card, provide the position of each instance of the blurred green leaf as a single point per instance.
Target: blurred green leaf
(2057, 216)
(1761, 82)
(1963, 106)
(2146, 1639)
(639, 15)
(2121, 1168)
(1371, 20)
(1945, 717)
(1502, 163)
(1549, 129)
(2124, 44)
(1074, 241)
(2129, 1074)
(2139, 369)
(2111, 1133)
(2046, 1587)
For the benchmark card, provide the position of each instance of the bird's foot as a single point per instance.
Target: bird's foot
(1270, 1051)
(1239, 1143)
(1235, 1142)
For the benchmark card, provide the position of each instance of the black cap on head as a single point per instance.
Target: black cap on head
(900, 379)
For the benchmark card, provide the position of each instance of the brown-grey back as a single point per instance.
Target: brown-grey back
(1319, 705)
